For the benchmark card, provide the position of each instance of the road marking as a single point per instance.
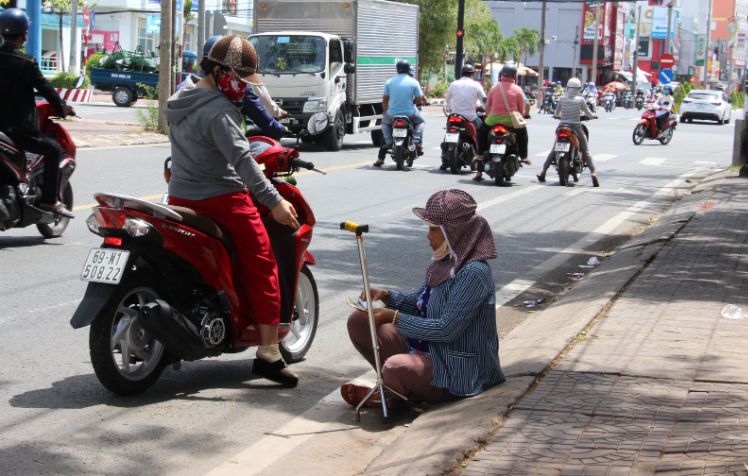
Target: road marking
(603, 157)
(520, 285)
(635, 119)
(705, 162)
(612, 118)
(153, 197)
(509, 196)
(543, 154)
(652, 161)
(575, 191)
(272, 447)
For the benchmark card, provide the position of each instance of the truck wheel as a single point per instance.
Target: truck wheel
(376, 138)
(123, 97)
(335, 133)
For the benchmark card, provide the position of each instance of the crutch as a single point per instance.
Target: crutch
(380, 386)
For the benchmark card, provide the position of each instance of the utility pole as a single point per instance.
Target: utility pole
(164, 68)
(594, 43)
(541, 55)
(708, 39)
(200, 28)
(34, 43)
(460, 37)
(74, 51)
(636, 50)
(174, 46)
(669, 26)
(576, 42)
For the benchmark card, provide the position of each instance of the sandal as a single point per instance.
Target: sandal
(272, 371)
(58, 210)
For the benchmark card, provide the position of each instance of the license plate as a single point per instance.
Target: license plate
(105, 266)
(286, 120)
(563, 146)
(700, 106)
(400, 133)
(451, 137)
(497, 149)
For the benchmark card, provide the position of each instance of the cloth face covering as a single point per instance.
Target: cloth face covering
(442, 251)
(232, 88)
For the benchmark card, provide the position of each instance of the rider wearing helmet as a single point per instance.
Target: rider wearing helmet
(464, 94)
(18, 116)
(570, 109)
(401, 94)
(498, 113)
(212, 172)
(664, 105)
(558, 87)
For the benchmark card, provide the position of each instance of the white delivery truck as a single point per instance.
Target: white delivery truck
(333, 56)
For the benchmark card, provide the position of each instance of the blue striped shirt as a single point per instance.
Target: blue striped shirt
(460, 327)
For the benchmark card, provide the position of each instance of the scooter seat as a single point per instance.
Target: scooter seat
(205, 225)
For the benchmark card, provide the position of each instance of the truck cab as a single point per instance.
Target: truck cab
(305, 73)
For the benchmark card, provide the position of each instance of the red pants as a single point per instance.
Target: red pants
(255, 269)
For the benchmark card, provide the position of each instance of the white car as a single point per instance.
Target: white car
(706, 104)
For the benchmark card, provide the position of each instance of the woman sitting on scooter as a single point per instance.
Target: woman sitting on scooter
(212, 168)
(439, 342)
(498, 114)
(664, 106)
(570, 110)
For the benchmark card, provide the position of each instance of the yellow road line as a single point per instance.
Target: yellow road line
(153, 197)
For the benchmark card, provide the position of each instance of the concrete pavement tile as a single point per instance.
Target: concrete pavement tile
(724, 370)
(664, 368)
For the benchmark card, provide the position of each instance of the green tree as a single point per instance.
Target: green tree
(482, 33)
(528, 40)
(508, 47)
(65, 7)
(437, 24)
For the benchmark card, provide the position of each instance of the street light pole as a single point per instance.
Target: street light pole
(594, 44)
(460, 37)
(636, 50)
(541, 57)
(669, 26)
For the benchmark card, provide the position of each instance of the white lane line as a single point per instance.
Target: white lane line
(509, 196)
(575, 191)
(520, 285)
(543, 154)
(612, 118)
(272, 447)
(635, 119)
(603, 157)
(704, 162)
(652, 161)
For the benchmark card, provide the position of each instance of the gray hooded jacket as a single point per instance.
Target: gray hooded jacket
(210, 155)
(571, 107)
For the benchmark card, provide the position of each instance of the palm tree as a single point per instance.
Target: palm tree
(528, 41)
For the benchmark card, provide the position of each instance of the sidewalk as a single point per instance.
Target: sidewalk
(659, 385)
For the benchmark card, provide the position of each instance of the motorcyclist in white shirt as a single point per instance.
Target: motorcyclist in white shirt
(463, 96)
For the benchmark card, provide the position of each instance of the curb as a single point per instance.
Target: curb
(528, 352)
(119, 140)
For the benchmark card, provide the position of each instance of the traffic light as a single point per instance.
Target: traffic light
(460, 33)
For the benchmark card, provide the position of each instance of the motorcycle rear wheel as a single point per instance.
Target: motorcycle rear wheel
(56, 229)
(399, 157)
(117, 342)
(639, 132)
(563, 171)
(306, 317)
(667, 136)
(454, 167)
(499, 177)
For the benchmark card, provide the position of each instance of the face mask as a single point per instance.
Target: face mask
(232, 88)
(441, 252)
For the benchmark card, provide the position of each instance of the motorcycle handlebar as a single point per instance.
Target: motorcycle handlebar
(302, 164)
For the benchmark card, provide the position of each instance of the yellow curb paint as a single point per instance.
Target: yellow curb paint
(153, 197)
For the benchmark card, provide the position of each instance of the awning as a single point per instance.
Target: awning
(641, 76)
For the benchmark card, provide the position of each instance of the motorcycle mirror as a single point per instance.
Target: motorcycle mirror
(317, 123)
(79, 82)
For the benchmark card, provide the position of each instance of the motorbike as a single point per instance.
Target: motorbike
(646, 128)
(547, 104)
(460, 143)
(501, 160)
(22, 177)
(639, 102)
(404, 151)
(610, 102)
(568, 159)
(161, 286)
(590, 100)
(554, 100)
(628, 101)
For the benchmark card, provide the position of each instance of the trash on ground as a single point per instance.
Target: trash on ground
(593, 261)
(577, 275)
(531, 304)
(585, 266)
(731, 311)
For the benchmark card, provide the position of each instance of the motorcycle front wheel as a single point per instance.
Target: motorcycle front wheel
(305, 318)
(639, 133)
(58, 227)
(127, 360)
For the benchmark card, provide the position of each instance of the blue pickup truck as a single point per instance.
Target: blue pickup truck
(124, 83)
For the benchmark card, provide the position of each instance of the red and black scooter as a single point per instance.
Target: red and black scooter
(460, 143)
(161, 287)
(22, 176)
(647, 126)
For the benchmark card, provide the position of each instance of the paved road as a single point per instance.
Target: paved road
(107, 111)
(55, 418)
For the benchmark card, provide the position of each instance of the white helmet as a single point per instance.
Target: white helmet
(574, 83)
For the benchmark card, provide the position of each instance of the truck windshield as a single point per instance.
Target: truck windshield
(290, 54)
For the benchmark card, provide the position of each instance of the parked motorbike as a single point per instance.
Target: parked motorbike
(22, 177)
(646, 128)
(161, 286)
(610, 102)
(404, 151)
(501, 160)
(460, 143)
(569, 160)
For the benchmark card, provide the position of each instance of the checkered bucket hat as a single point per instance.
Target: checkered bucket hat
(468, 234)
(236, 53)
